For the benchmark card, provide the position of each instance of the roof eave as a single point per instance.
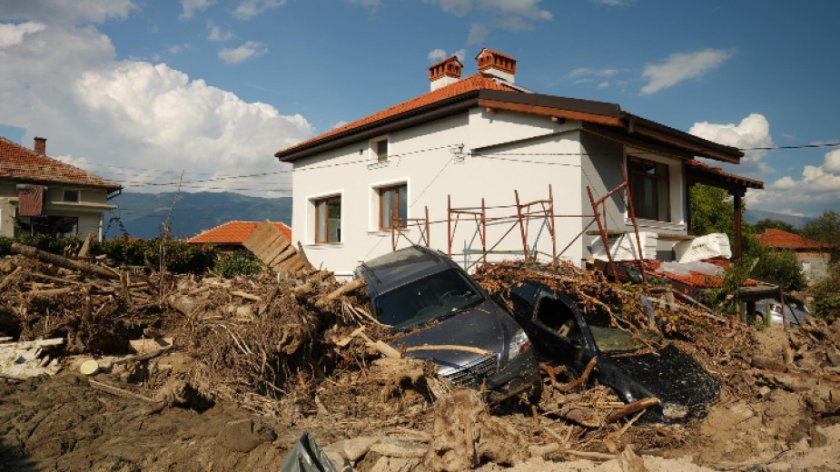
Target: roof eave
(701, 147)
(29, 180)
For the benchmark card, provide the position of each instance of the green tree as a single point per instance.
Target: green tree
(825, 229)
(781, 267)
(770, 223)
(712, 211)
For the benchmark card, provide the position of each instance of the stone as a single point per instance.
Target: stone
(244, 436)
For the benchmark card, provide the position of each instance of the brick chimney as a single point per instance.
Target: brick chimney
(445, 72)
(40, 145)
(496, 64)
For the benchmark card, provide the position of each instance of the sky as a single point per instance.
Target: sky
(140, 91)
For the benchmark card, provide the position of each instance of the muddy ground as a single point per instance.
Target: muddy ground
(62, 423)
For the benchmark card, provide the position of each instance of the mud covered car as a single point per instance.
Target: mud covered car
(562, 333)
(431, 302)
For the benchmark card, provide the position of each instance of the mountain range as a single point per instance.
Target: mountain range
(142, 214)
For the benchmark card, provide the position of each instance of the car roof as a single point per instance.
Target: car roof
(397, 268)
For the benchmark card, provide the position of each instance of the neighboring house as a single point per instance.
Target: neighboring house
(39, 194)
(483, 137)
(230, 236)
(814, 256)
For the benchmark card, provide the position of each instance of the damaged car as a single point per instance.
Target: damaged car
(562, 333)
(437, 309)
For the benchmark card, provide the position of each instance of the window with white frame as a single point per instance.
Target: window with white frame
(328, 219)
(393, 206)
(379, 150)
(650, 189)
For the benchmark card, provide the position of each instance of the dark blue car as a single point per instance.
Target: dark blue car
(430, 301)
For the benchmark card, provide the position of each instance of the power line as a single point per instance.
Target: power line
(796, 146)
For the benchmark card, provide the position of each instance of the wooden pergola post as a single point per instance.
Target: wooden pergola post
(736, 202)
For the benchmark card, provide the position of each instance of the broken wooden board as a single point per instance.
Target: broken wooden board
(26, 359)
(277, 252)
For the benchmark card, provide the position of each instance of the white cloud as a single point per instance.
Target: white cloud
(524, 8)
(215, 33)
(584, 75)
(11, 34)
(613, 3)
(67, 11)
(438, 54)
(818, 188)
(248, 9)
(191, 7)
(178, 48)
(680, 67)
(119, 117)
(243, 52)
(367, 3)
(512, 15)
(477, 34)
(752, 132)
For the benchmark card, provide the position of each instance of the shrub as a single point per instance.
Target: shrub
(53, 244)
(237, 263)
(5, 246)
(826, 295)
(781, 267)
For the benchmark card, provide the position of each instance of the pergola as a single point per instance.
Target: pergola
(700, 173)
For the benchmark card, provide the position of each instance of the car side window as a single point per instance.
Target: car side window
(523, 300)
(555, 315)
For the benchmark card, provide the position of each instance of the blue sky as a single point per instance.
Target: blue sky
(139, 90)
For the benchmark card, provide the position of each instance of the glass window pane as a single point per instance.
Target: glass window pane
(382, 150)
(334, 220)
(387, 207)
(320, 224)
(403, 206)
(664, 211)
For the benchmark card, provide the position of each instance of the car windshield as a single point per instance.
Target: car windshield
(427, 299)
(610, 339)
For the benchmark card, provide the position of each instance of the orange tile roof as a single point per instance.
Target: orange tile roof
(234, 232)
(468, 84)
(780, 239)
(25, 165)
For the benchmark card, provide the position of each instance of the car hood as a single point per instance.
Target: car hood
(484, 326)
(670, 375)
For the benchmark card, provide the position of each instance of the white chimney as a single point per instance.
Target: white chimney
(445, 72)
(496, 64)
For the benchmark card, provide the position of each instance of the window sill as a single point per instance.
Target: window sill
(664, 225)
(323, 245)
(379, 164)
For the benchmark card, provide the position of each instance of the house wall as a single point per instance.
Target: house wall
(8, 203)
(601, 171)
(432, 174)
(89, 209)
(815, 265)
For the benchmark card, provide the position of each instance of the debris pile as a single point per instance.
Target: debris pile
(251, 363)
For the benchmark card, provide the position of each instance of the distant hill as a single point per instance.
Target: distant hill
(753, 216)
(143, 213)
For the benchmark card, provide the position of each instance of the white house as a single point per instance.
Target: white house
(484, 137)
(39, 194)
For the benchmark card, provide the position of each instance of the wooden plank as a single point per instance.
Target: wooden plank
(277, 246)
(259, 239)
(282, 256)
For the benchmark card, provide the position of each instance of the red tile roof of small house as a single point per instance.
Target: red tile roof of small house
(27, 166)
(234, 232)
(779, 239)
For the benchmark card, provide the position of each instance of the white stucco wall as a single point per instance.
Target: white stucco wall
(431, 175)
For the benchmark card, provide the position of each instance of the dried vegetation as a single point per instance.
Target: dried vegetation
(302, 352)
